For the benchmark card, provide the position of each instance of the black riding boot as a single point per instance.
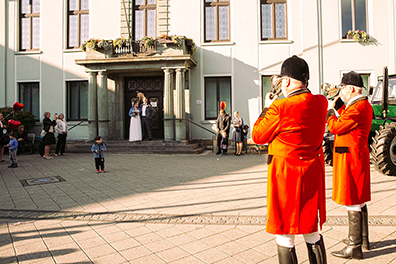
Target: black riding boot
(365, 231)
(287, 255)
(317, 252)
(354, 247)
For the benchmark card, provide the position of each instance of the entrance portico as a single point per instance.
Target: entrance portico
(106, 104)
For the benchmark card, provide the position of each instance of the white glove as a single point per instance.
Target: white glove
(269, 99)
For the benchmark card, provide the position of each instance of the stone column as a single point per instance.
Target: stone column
(103, 106)
(180, 125)
(92, 106)
(168, 104)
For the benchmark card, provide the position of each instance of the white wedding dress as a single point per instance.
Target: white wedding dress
(135, 129)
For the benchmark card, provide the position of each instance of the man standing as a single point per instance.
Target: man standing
(147, 112)
(294, 128)
(351, 160)
(223, 123)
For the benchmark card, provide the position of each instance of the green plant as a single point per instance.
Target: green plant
(25, 117)
(359, 35)
(149, 42)
(120, 42)
(191, 46)
(96, 44)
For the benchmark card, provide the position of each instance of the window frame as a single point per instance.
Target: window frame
(272, 3)
(217, 95)
(37, 118)
(68, 115)
(217, 4)
(30, 16)
(145, 7)
(78, 12)
(353, 17)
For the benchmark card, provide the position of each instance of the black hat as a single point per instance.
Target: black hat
(296, 68)
(352, 78)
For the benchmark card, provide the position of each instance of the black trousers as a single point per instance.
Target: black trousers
(60, 146)
(219, 139)
(146, 130)
(99, 162)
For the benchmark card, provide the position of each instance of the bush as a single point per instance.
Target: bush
(25, 117)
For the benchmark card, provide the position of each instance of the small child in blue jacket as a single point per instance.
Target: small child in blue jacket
(12, 150)
(98, 149)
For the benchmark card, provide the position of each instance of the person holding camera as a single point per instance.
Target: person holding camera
(294, 128)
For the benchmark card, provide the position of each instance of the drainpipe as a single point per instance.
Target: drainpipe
(320, 41)
(5, 50)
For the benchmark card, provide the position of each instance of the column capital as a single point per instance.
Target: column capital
(167, 70)
(180, 70)
(103, 73)
(91, 73)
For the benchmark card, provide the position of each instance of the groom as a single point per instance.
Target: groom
(147, 112)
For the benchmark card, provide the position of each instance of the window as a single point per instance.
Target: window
(217, 20)
(353, 15)
(77, 100)
(29, 96)
(145, 18)
(217, 89)
(77, 22)
(29, 26)
(273, 19)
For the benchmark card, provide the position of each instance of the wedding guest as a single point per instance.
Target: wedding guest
(147, 112)
(3, 137)
(237, 135)
(49, 138)
(61, 128)
(21, 137)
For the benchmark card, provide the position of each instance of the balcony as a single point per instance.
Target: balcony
(142, 48)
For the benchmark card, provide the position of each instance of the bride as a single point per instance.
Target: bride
(135, 130)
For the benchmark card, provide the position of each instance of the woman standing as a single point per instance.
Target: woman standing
(61, 128)
(237, 135)
(135, 128)
(49, 137)
(3, 136)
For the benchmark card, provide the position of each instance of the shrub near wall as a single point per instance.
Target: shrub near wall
(25, 117)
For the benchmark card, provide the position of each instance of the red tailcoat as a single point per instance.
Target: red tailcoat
(294, 128)
(351, 155)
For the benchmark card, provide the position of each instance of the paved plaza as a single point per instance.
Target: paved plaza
(153, 208)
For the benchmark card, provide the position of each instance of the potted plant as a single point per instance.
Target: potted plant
(358, 36)
(98, 48)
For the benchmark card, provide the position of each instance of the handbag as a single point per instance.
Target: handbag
(43, 133)
(245, 129)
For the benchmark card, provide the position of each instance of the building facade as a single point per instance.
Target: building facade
(239, 46)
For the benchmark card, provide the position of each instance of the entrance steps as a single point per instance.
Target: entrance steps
(153, 146)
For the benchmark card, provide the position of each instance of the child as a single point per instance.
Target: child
(224, 143)
(98, 149)
(12, 149)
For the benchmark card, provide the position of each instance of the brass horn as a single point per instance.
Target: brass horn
(330, 91)
(276, 85)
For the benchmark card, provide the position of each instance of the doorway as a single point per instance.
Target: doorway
(152, 88)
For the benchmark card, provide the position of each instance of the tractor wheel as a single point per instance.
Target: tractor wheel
(328, 150)
(383, 149)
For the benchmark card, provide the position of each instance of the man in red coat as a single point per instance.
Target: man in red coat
(294, 128)
(351, 159)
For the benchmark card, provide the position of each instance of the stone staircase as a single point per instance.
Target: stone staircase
(154, 146)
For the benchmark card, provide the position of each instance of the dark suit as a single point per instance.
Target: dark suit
(146, 117)
(223, 124)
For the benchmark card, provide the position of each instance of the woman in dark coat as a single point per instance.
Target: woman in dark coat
(237, 135)
(49, 137)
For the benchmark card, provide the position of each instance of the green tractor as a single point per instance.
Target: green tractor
(382, 138)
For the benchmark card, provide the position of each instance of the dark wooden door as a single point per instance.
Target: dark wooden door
(152, 88)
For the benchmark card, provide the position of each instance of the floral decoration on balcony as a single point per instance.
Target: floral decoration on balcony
(358, 35)
(120, 42)
(149, 42)
(97, 44)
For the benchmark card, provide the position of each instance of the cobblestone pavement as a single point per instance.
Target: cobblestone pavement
(161, 209)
